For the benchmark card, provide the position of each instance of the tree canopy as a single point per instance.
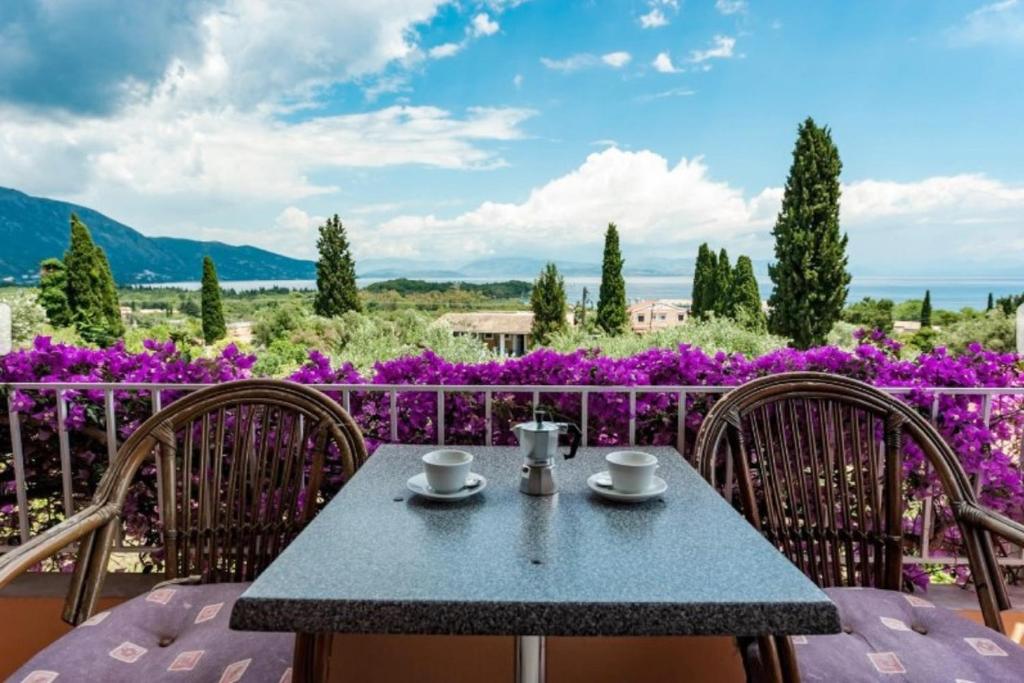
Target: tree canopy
(809, 273)
(612, 315)
(336, 291)
(548, 303)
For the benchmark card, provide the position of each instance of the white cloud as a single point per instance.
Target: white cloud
(586, 60)
(654, 19)
(651, 201)
(155, 149)
(731, 6)
(294, 220)
(721, 48)
(444, 50)
(483, 25)
(517, 81)
(571, 63)
(999, 23)
(616, 60)
(671, 92)
(663, 64)
(660, 207)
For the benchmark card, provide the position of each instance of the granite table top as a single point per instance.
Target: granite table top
(379, 559)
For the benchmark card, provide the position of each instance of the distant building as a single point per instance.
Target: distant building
(654, 315)
(507, 332)
(906, 326)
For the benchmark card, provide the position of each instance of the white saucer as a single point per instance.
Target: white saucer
(418, 485)
(658, 487)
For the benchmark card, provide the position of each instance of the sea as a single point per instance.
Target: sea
(946, 293)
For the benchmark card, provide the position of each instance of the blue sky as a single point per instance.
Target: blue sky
(447, 131)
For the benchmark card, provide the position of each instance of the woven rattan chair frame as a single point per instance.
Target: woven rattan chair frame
(784, 441)
(230, 500)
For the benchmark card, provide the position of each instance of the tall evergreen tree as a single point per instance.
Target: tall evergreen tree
(698, 299)
(336, 291)
(991, 302)
(91, 293)
(810, 276)
(612, 315)
(53, 292)
(926, 310)
(746, 297)
(722, 304)
(548, 303)
(213, 311)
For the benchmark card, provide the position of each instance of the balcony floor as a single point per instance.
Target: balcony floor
(31, 608)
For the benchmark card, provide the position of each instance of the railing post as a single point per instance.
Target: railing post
(111, 415)
(584, 417)
(19, 466)
(488, 427)
(632, 417)
(681, 424)
(394, 415)
(64, 444)
(440, 417)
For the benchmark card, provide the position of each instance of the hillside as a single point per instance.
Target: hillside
(33, 228)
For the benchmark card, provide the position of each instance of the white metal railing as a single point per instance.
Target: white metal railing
(681, 393)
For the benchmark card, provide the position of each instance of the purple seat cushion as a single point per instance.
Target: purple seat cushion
(175, 633)
(892, 636)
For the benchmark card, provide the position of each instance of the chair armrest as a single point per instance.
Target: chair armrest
(995, 522)
(45, 544)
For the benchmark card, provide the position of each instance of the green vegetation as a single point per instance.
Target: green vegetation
(91, 295)
(704, 288)
(871, 314)
(612, 316)
(713, 335)
(745, 298)
(548, 304)
(336, 292)
(212, 310)
(509, 289)
(926, 310)
(53, 292)
(810, 276)
(27, 316)
(722, 305)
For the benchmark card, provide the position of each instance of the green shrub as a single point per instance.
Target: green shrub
(715, 334)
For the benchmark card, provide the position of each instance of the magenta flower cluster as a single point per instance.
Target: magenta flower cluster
(986, 435)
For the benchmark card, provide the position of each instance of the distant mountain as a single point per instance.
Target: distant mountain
(33, 229)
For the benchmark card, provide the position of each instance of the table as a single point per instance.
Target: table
(379, 559)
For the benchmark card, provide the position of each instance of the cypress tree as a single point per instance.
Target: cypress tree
(53, 292)
(91, 294)
(991, 302)
(722, 304)
(810, 276)
(213, 311)
(548, 303)
(926, 310)
(698, 303)
(336, 291)
(745, 296)
(611, 302)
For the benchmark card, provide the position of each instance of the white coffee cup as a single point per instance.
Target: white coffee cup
(631, 471)
(447, 469)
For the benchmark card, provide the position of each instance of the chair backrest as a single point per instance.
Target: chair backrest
(817, 465)
(241, 468)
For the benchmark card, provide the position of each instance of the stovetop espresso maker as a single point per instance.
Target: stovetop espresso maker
(538, 443)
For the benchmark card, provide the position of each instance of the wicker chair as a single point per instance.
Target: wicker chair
(241, 468)
(815, 462)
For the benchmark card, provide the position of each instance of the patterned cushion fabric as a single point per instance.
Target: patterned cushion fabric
(174, 633)
(890, 636)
